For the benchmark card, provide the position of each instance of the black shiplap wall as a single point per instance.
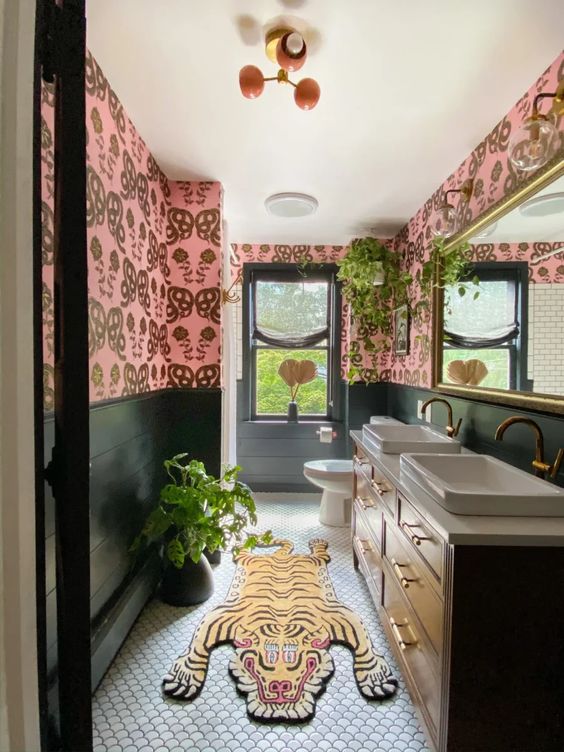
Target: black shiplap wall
(272, 454)
(129, 439)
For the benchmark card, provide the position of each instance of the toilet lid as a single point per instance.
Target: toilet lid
(335, 468)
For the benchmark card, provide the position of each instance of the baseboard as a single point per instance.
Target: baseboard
(286, 496)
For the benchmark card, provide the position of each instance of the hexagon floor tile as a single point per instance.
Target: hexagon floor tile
(131, 714)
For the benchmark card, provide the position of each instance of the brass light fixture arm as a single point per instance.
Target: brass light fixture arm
(227, 296)
(557, 108)
(465, 190)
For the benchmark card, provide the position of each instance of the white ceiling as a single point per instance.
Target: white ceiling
(408, 88)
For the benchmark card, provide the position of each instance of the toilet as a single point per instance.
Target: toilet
(335, 478)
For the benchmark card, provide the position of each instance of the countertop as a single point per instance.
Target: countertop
(459, 529)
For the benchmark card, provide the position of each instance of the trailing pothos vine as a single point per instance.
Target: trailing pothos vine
(448, 271)
(371, 304)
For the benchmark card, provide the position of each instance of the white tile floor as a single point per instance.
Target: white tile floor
(131, 714)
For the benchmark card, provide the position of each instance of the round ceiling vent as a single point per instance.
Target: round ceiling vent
(291, 205)
(543, 206)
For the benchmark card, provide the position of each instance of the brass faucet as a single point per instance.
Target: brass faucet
(540, 466)
(451, 430)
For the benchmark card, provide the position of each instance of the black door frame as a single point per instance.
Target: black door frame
(61, 50)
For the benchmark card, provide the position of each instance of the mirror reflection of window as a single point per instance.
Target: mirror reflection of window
(487, 324)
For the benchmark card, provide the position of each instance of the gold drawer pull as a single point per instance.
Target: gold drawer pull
(403, 644)
(401, 577)
(365, 545)
(380, 487)
(416, 539)
(360, 460)
(364, 503)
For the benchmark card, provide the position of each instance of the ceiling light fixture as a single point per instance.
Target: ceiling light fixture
(289, 205)
(445, 221)
(543, 206)
(537, 139)
(288, 49)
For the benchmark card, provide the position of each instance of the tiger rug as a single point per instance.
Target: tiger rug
(281, 615)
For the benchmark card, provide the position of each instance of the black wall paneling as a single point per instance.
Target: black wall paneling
(272, 454)
(129, 440)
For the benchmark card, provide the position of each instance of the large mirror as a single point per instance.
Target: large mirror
(502, 339)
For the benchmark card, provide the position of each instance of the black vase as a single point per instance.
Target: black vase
(214, 558)
(292, 412)
(187, 586)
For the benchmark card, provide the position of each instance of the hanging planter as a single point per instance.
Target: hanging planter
(373, 285)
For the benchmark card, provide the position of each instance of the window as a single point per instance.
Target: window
(288, 315)
(491, 326)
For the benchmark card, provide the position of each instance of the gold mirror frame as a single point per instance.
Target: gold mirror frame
(526, 400)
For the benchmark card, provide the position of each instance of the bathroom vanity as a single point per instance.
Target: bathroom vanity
(473, 607)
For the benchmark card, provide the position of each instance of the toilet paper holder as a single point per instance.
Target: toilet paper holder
(333, 433)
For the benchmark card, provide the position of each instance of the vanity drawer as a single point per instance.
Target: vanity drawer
(409, 574)
(369, 509)
(426, 541)
(370, 561)
(384, 491)
(419, 664)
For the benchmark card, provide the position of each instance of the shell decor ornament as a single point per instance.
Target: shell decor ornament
(286, 48)
(467, 372)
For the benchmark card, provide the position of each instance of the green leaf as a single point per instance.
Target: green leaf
(175, 553)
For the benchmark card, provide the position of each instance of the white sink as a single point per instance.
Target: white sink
(385, 420)
(478, 484)
(391, 439)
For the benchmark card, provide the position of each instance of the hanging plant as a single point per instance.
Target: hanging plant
(373, 285)
(448, 270)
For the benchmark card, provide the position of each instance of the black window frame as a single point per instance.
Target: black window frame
(291, 273)
(516, 272)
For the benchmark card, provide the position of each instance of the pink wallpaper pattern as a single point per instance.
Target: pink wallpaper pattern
(494, 177)
(154, 255)
(544, 272)
(246, 253)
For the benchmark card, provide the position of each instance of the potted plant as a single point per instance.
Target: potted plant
(294, 373)
(373, 285)
(198, 511)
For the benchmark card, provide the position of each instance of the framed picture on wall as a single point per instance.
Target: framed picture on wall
(401, 330)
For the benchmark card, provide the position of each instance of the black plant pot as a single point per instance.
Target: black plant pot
(292, 412)
(214, 558)
(187, 586)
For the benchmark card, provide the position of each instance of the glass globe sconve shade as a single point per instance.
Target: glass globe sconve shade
(444, 222)
(251, 81)
(534, 143)
(307, 93)
(291, 51)
(537, 139)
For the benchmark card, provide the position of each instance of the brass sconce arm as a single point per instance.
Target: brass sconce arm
(228, 296)
(451, 430)
(557, 108)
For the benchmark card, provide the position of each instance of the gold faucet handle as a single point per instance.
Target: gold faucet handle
(555, 467)
(452, 431)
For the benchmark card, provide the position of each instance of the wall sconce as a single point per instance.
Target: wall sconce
(445, 221)
(537, 139)
(288, 49)
(228, 296)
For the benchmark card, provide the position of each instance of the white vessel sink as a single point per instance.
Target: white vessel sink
(385, 420)
(478, 484)
(392, 439)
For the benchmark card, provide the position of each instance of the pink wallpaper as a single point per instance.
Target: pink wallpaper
(494, 177)
(294, 254)
(154, 254)
(540, 272)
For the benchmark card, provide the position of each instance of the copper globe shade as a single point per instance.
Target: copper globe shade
(286, 47)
